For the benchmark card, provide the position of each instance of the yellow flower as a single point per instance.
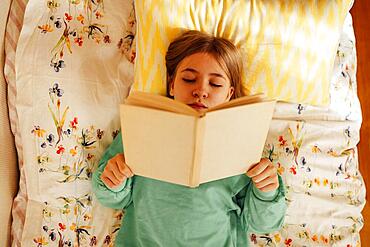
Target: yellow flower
(73, 151)
(46, 28)
(40, 241)
(81, 18)
(280, 169)
(316, 149)
(314, 238)
(277, 238)
(325, 182)
(73, 227)
(87, 216)
(324, 239)
(317, 181)
(38, 132)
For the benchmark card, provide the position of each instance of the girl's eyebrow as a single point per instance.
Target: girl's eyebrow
(195, 71)
(218, 75)
(190, 69)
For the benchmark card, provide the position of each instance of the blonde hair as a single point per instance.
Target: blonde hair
(225, 52)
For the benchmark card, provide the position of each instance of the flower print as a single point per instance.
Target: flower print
(68, 17)
(99, 133)
(253, 238)
(98, 15)
(73, 151)
(50, 138)
(61, 149)
(81, 18)
(315, 149)
(55, 90)
(52, 236)
(317, 181)
(107, 39)
(58, 65)
(115, 133)
(300, 108)
(67, 132)
(58, 23)
(324, 239)
(53, 5)
(87, 217)
(37, 131)
(73, 123)
(93, 241)
(293, 170)
(65, 170)
(315, 238)
(45, 228)
(288, 242)
(89, 156)
(43, 145)
(119, 215)
(107, 239)
(280, 169)
(62, 226)
(73, 227)
(42, 159)
(46, 28)
(277, 238)
(325, 182)
(282, 141)
(41, 241)
(79, 41)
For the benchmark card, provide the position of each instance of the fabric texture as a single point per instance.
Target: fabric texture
(8, 157)
(288, 46)
(218, 213)
(72, 72)
(13, 29)
(314, 148)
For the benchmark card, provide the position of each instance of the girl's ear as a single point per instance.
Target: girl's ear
(230, 93)
(172, 87)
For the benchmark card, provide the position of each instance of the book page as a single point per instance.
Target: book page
(234, 139)
(250, 99)
(158, 144)
(160, 102)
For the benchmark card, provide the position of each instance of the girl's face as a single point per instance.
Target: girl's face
(200, 82)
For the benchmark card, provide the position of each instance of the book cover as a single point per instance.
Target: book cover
(168, 140)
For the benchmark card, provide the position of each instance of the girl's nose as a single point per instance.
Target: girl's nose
(200, 93)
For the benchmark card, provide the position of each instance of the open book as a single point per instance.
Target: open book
(170, 141)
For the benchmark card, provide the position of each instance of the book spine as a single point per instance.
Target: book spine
(198, 152)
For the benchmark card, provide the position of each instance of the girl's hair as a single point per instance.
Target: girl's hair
(225, 52)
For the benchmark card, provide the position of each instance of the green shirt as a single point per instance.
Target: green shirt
(217, 213)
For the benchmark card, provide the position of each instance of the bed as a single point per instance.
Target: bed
(60, 126)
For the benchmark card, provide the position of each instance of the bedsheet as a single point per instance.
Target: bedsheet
(314, 149)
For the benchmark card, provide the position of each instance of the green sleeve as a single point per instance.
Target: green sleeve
(263, 212)
(119, 197)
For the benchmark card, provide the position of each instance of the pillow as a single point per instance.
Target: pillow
(72, 72)
(288, 46)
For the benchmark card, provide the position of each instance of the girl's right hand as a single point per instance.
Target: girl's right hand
(116, 171)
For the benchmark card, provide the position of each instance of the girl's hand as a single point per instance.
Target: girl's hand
(116, 171)
(264, 175)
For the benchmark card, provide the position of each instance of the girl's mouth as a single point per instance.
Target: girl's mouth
(198, 106)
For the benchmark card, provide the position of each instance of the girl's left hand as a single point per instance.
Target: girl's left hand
(264, 175)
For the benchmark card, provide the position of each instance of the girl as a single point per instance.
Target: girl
(202, 71)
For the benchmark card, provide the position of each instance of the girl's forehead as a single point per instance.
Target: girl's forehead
(206, 62)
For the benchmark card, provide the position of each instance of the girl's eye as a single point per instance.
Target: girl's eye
(188, 80)
(215, 84)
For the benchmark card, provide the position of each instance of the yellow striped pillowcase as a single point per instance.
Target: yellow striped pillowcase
(288, 46)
